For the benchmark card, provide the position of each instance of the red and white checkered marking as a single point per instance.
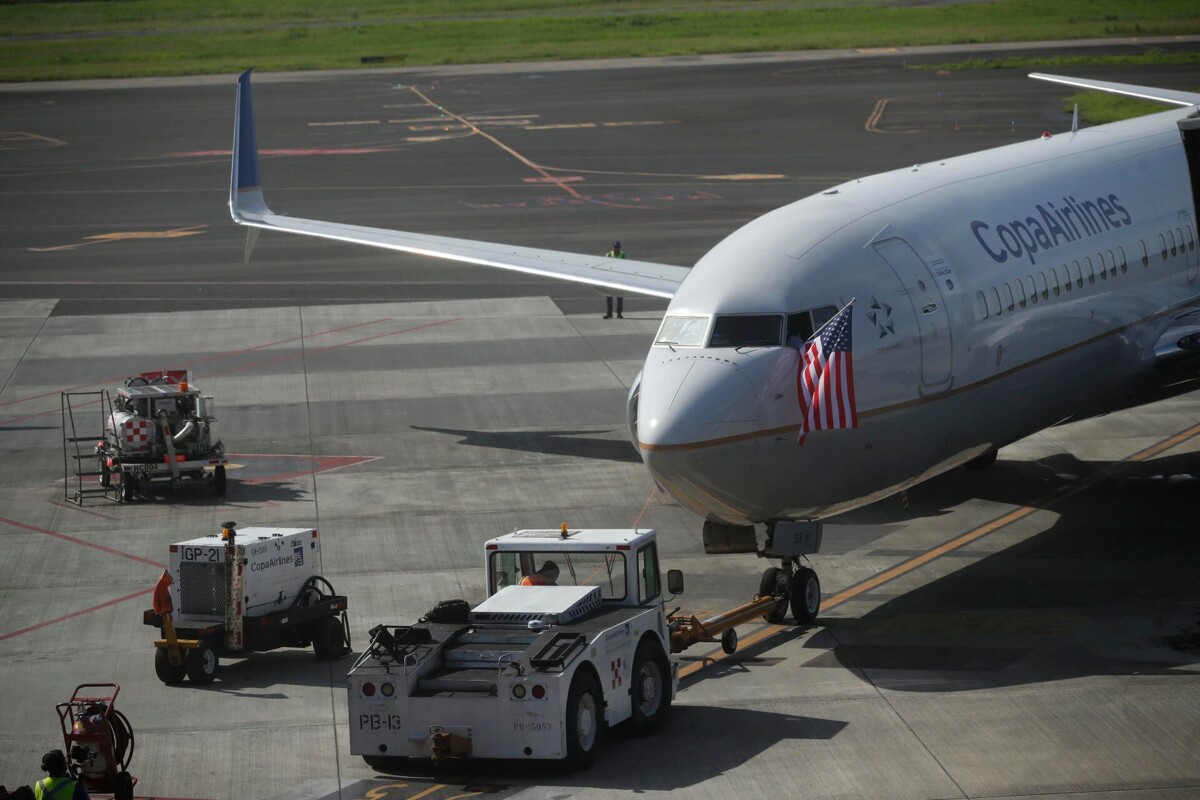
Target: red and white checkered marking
(137, 433)
(616, 671)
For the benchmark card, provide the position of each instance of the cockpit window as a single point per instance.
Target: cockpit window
(747, 330)
(682, 331)
(802, 325)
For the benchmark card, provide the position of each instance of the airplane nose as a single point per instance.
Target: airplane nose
(690, 399)
(698, 417)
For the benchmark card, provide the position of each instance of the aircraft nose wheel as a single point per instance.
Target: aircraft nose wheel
(804, 592)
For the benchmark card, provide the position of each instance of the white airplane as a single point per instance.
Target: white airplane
(993, 295)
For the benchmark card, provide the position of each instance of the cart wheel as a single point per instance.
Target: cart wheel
(127, 482)
(123, 789)
(729, 641)
(201, 663)
(219, 480)
(585, 721)
(768, 584)
(329, 639)
(167, 672)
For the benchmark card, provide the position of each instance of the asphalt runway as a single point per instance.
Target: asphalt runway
(1031, 630)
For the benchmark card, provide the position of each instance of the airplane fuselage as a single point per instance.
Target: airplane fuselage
(995, 294)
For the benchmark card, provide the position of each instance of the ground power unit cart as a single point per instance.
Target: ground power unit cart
(243, 591)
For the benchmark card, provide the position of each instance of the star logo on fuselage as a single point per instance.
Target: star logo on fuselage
(880, 315)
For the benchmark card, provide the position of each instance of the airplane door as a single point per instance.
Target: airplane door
(933, 321)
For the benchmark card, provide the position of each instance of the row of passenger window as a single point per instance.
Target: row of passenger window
(1053, 281)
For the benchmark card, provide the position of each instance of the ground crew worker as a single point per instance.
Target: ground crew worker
(546, 576)
(616, 252)
(58, 783)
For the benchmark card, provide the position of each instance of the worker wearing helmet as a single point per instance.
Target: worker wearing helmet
(58, 783)
(616, 252)
(546, 576)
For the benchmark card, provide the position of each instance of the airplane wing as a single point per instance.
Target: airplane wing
(247, 206)
(1167, 96)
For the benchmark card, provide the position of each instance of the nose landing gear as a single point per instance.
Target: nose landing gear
(795, 582)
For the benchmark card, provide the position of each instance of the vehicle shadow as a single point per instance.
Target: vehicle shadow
(559, 443)
(285, 667)
(745, 735)
(200, 493)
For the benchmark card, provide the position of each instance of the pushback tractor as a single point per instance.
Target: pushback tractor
(573, 640)
(239, 592)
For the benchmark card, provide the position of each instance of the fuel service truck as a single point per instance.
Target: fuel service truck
(159, 428)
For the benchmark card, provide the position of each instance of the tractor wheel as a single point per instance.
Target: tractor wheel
(651, 688)
(585, 720)
(219, 480)
(202, 663)
(167, 672)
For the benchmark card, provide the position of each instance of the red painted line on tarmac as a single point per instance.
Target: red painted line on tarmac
(73, 540)
(206, 359)
(73, 614)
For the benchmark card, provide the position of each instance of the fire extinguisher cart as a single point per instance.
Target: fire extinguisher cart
(98, 740)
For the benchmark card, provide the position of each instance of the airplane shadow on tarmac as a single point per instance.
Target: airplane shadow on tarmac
(1108, 589)
(558, 443)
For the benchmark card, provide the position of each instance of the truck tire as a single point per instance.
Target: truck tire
(219, 480)
(769, 584)
(650, 689)
(167, 672)
(329, 639)
(585, 720)
(202, 663)
(127, 482)
(805, 591)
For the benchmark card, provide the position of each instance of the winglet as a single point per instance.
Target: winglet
(245, 189)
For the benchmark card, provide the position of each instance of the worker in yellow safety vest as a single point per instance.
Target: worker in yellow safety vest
(616, 252)
(58, 783)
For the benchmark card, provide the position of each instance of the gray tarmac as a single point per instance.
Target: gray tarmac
(1028, 631)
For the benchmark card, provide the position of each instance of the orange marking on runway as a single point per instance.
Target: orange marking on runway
(174, 233)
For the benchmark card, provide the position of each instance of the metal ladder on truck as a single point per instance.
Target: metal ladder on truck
(99, 482)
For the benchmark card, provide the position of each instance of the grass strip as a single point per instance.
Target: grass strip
(139, 38)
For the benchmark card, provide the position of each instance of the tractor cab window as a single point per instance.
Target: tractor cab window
(577, 568)
(648, 573)
(747, 330)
